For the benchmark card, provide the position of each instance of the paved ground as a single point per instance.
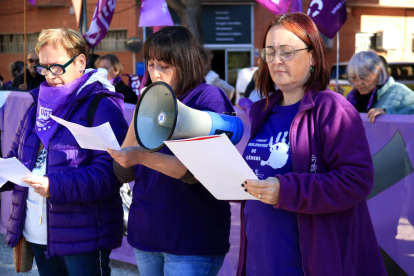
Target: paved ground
(7, 268)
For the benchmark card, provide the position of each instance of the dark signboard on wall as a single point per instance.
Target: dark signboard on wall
(227, 24)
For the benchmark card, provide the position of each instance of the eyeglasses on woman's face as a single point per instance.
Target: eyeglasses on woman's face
(285, 52)
(56, 69)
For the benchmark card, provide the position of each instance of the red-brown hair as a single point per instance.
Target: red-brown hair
(303, 27)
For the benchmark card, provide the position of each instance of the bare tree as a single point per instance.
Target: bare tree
(189, 12)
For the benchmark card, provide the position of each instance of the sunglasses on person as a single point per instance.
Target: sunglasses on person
(285, 52)
(56, 69)
(30, 60)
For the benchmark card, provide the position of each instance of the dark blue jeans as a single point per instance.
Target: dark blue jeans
(89, 264)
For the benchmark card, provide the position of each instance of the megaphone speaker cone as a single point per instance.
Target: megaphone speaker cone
(155, 116)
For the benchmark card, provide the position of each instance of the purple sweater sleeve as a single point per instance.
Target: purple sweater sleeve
(98, 180)
(349, 174)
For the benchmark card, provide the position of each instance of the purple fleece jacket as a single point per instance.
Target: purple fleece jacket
(332, 175)
(84, 211)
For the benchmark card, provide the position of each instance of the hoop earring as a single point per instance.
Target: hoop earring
(312, 69)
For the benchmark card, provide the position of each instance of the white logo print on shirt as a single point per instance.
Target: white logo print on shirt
(279, 152)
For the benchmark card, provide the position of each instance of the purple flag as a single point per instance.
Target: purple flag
(100, 22)
(275, 6)
(32, 2)
(154, 13)
(281, 6)
(134, 83)
(328, 15)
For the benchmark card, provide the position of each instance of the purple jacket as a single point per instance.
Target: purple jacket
(332, 175)
(84, 211)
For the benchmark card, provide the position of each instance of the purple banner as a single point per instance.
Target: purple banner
(100, 22)
(328, 15)
(32, 2)
(281, 6)
(154, 13)
(134, 82)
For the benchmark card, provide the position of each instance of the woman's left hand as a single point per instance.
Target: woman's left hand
(40, 184)
(267, 191)
(374, 112)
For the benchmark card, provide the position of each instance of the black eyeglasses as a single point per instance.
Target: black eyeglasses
(285, 52)
(56, 69)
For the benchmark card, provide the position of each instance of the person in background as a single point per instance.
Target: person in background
(33, 79)
(4, 86)
(176, 226)
(114, 68)
(15, 68)
(375, 93)
(212, 77)
(311, 216)
(72, 214)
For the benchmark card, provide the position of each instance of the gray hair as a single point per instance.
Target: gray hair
(365, 63)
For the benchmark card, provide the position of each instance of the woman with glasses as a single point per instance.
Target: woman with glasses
(33, 79)
(312, 160)
(72, 213)
(114, 68)
(375, 93)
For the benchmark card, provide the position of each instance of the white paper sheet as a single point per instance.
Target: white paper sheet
(13, 170)
(216, 163)
(94, 138)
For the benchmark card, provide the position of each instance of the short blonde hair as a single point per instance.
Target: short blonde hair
(62, 38)
(114, 62)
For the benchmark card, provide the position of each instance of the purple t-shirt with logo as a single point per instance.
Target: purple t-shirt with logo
(272, 234)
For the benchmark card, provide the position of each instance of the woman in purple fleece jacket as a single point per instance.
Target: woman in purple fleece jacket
(72, 214)
(309, 151)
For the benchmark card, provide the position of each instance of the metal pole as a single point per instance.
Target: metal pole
(134, 64)
(24, 42)
(337, 59)
(85, 16)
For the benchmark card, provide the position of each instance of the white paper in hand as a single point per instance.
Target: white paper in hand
(13, 170)
(94, 138)
(216, 163)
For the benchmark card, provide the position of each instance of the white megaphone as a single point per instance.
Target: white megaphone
(159, 117)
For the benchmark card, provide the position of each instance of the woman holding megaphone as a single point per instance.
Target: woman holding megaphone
(175, 228)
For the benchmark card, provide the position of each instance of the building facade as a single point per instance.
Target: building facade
(233, 30)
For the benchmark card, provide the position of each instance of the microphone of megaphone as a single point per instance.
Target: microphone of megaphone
(160, 117)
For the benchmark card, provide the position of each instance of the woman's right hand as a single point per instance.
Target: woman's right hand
(128, 156)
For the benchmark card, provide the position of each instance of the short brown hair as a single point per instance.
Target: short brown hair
(67, 39)
(303, 27)
(175, 45)
(114, 62)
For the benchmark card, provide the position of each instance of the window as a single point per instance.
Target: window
(363, 42)
(114, 41)
(14, 43)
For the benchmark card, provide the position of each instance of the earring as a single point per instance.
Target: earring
(312, 69)
(81, 70)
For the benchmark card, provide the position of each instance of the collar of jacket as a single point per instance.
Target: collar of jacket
(260, 112)
(390, 82)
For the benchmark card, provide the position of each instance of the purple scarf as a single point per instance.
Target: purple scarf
(55, 101)
(115, 80)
